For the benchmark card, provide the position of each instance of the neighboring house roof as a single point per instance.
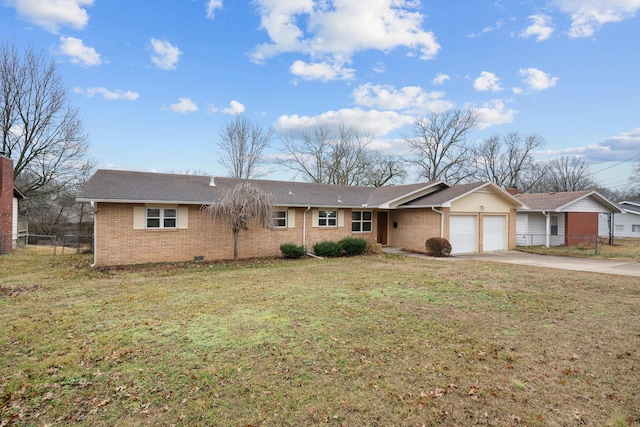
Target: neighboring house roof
(561, 202)
(629, 207)
(145, 187)
(18, 194)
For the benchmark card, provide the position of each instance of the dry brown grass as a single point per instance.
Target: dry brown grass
(377, 340)
(622, 248)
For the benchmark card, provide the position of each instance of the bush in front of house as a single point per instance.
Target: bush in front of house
(352, 246)
(438, 246)
(292, 251)
(327, 249)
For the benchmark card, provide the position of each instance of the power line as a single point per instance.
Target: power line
(619, 163)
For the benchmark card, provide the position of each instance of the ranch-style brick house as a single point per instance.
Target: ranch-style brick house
(145, 217)
(562, 218)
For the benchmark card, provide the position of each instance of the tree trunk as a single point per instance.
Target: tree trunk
(235, 245)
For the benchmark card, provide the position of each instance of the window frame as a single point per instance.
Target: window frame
(162, 218)
(327, 220)
(285, 218)
(635, 228)
(361, 221)
(554, 228)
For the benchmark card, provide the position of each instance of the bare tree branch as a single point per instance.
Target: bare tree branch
(242, 143)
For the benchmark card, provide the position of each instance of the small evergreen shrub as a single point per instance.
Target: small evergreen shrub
(353, 245)
(292, 251)
(438, 246)
(327, 249)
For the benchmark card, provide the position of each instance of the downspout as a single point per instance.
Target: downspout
(547, 228)
(94, 209)
(441, 220)
(304, 228)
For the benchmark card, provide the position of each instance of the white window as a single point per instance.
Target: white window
(162, 218)
(361, 221)
(280, 219)
(327, 218)
(554, 225)
(635, 228)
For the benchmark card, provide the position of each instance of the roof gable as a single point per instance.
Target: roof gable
(446, 196)
(566, 201)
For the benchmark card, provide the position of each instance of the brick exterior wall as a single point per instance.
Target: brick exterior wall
(6, 203)
(580, 228)
(415, 226)
(117, 242)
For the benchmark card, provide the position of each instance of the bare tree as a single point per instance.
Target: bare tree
(242, 142)
(506, 160)
(343, 159)
(634, 179)
(243, 204)
(40, 131)
(439, 145)
(567, 173)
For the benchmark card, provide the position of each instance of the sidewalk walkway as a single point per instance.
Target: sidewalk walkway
(607, 266)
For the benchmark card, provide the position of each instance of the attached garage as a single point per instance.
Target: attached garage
(494, 229)
(463, 234)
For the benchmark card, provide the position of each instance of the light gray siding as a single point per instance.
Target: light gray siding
(531, 229)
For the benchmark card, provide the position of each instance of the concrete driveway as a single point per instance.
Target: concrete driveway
(619, 267)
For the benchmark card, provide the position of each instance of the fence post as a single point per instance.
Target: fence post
(597, 245)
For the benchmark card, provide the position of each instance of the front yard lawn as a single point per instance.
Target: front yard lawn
(378, 341)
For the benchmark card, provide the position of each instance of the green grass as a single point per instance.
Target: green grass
(376, 340)
(623, 248)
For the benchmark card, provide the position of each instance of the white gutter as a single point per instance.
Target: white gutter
(304, 227)
(441, 220)
(94, 209)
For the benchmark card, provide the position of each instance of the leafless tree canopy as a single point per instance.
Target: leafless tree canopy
(40, 131)
(243, 204)
(508, 161)
(344, 159)
(568, 173)
(242, 142)
(439, 145)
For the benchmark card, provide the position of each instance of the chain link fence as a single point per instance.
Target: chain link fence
(68, 243)
(589, 241)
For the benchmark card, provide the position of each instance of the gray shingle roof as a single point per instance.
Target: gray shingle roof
(558, 201)
(147, 187)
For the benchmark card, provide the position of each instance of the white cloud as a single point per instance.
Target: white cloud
(78, 53)
(330, 32)
(234, 108)
(375, 123)
(537, 79)
(541, 28)
(440, 78)
(165, 55)
(107, 94)
(499, 24)
(379, 68)
(53, 14)
(493, 113)
(212, 7)
(321, 71)
(613, 149)
(487, 82)
(184, 105)
(410, 99)
(587, 16)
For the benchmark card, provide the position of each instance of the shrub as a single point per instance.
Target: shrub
(327, 249)
(353, 245)
(291, 250)
(438, 246)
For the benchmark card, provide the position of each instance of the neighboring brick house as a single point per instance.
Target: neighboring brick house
(9, 196)
(150, 217)
(564, 218)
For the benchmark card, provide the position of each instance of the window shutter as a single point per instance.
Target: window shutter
(183, 217)
(340, 218)
(291, 218)
(139, 217)
(314, 218)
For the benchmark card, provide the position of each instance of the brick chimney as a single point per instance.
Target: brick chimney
(6, 203)
(513, 191)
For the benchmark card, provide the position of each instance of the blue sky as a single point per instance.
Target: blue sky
(156, 80)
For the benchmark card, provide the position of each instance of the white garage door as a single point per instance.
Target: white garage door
(493, 233)
(463, 234)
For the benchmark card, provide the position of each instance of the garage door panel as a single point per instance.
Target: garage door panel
(463, 234)
(493, 233)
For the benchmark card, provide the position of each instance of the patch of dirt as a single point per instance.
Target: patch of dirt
(12, 291)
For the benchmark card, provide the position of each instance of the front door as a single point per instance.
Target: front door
(382, 228)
